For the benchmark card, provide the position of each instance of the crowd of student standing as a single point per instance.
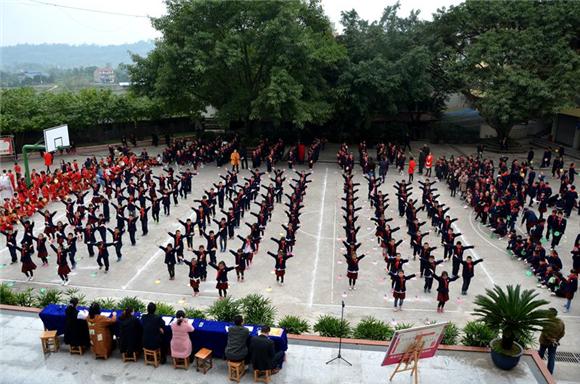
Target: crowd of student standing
(513, 191)
(436, 212)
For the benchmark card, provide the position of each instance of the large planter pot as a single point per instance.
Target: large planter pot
(502, 361)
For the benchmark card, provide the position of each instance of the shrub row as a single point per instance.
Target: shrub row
(258, 310)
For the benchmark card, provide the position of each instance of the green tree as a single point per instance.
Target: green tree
(24, 109)
(514, 60)
(252, 60)
(388, 71)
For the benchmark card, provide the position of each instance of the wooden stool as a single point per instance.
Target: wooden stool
(203, 360)
(262, 376)
(49, 341)
(104, 356)
(76, 349)
(129, 357)
(152, 356)
(182, 363)
(236, 370)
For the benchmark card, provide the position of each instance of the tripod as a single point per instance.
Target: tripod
(339, 356)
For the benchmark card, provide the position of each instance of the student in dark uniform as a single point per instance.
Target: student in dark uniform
(194, 275)
(352, 261)
(280, 264)
(240, 262)
(41, 249)
(443, 289)
(222, 277)
(400, 287)
(28, 265)
(169, 260)
(117, 241)
(89, 239)
(458, 256)
(189, 232)
(430, 266)
(468, 273)
(61, 261)
(103, 255)
(11, 244)
(177, 244)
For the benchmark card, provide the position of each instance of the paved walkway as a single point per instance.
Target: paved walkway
(22, 361)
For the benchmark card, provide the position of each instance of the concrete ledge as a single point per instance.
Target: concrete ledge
(16, 308)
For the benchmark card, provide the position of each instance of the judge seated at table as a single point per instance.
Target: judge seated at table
(180, 341)
(76, 331)
(264, 355)
(237, 346)
(153, 330)
(130, 333)
(100, 332)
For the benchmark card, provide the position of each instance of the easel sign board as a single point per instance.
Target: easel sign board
(56, 138)
(7, 146)
(430, 335)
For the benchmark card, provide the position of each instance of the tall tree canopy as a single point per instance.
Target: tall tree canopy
(24, 109)
(252, 60)
(388, 70)
(514, 60)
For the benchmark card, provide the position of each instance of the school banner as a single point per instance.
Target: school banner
(7, 146)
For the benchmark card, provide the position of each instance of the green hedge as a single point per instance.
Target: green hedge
(257, 310)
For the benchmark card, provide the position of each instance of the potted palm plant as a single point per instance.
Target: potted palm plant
(515, 314)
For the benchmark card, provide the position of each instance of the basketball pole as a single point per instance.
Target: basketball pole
(25, 149)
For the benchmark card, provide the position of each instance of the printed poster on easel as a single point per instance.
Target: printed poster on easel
(431, 336)
(408, 346)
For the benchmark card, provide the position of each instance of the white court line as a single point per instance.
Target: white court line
(333, 252)
(456, 228)
(483, 237)
(109, 289)
(152, 258)
(383, 308)
(317, 256)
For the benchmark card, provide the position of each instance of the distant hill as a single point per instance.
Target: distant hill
(42, 56)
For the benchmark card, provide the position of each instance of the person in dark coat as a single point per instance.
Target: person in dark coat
(130, 333)
(264, 355)
(237, 346)
(153, 330)
(76, 331)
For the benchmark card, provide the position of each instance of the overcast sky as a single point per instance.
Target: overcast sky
(36, 21)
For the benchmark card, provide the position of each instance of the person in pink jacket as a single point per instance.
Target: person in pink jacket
(180, 342)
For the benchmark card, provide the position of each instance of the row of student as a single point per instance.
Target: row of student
(149, 332)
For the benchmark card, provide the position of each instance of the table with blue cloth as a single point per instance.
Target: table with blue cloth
(208, 334)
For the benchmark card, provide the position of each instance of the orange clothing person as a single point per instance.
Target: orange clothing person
(411, 169)
(235, 160)
(48, 160)
(429, 164)
(100, 332)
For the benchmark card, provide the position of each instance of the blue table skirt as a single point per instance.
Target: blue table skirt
(208, 334)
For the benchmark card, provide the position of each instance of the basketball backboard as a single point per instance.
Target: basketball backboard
(56, 138)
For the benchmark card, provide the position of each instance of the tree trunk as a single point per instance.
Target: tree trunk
(502, 130)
